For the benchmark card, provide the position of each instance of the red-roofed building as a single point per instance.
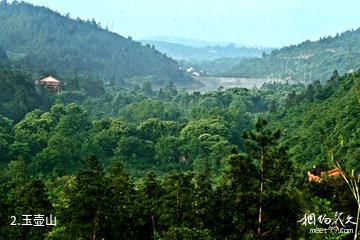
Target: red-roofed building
(51, 83)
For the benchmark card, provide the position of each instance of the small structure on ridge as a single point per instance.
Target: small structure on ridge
(315, 175)
(50, 83)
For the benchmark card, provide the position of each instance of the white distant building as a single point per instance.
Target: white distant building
(190, 69)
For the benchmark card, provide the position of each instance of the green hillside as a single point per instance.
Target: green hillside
(38, 39)
(322, 123)
(308, 61)
(118, 154)
(170, 146)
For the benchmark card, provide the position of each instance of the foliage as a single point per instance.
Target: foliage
(139, 161)
(307, 61)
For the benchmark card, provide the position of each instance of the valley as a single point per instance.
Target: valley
(214, 83)
(178, 138)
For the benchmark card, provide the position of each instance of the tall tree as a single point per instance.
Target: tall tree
(236, 198)
(84, 217)
(275, 168)
(149, 200)
(119, 209)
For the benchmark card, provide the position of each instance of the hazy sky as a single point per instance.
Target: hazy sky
(251, 22)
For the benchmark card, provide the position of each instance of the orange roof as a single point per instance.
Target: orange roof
(49, 79)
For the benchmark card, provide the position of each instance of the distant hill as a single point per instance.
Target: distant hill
(39, 39)
(185, 41)
(200, 51)
(308, 61)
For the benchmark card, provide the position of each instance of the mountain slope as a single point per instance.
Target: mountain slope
(323, 121)
(38, 38)
(307, 61)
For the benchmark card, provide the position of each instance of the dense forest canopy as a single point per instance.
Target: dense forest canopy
(198, 157)
(128, 160)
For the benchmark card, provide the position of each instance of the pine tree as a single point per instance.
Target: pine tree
(177, 200)
(236, 200)
(120, 208)
(150, 205)
(84, 218)
(275, 168)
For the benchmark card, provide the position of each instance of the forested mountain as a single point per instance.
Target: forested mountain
(39, 39)
(307, 61)
(125, 161)
(167, 164)
(185, 52)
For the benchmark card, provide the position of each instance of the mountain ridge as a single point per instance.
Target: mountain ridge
(39, 38)
(307, 61)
